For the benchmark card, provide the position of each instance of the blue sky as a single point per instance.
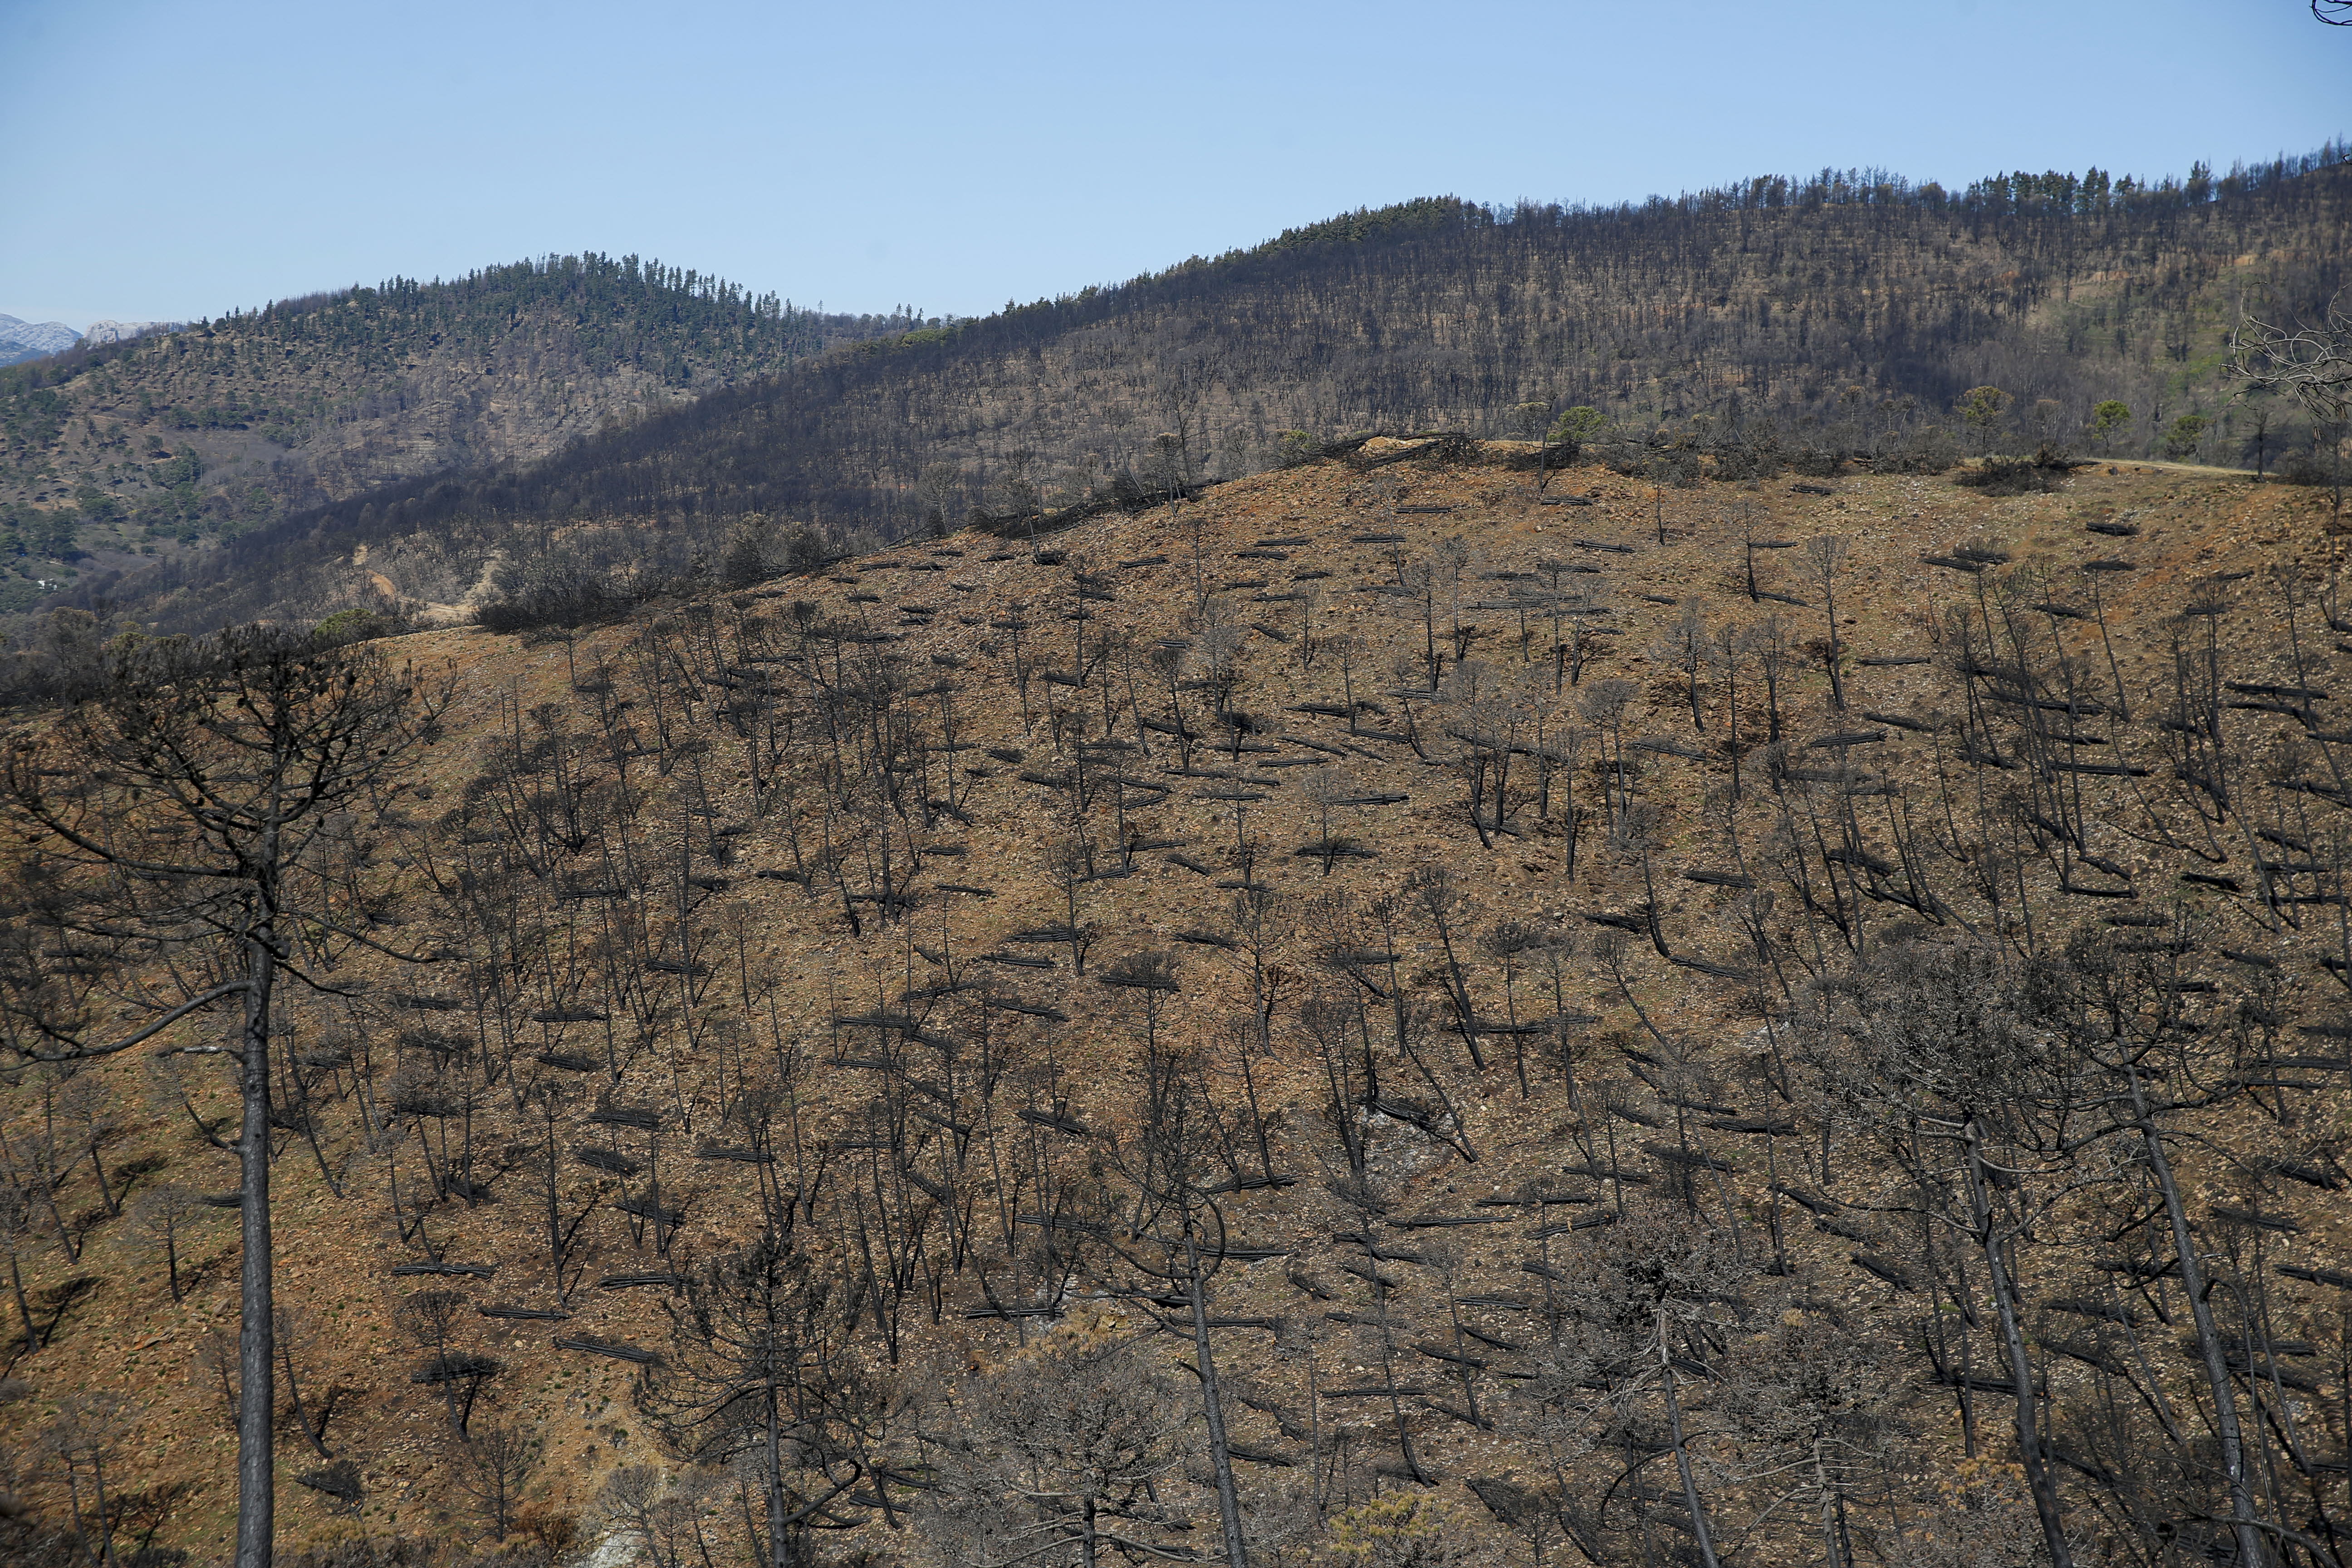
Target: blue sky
(177, 160)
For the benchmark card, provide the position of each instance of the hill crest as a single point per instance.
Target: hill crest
(1810, 321)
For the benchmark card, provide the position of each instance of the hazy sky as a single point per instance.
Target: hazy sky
(177, 158)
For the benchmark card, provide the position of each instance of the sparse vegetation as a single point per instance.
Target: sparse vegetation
(196, 435)
(986, 1050)
(2106, 291)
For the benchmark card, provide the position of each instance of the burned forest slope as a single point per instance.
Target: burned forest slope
(1616, 1020)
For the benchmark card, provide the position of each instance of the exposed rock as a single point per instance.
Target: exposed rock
(22, 340)
(122, 332)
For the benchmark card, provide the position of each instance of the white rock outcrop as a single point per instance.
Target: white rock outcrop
(34, 338)
(119, 331)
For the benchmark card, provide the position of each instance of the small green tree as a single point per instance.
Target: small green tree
(2183, 437)
(1980, 409)
(1577, 426)
(1295, 447)
(2109, 420)
(1569, 432)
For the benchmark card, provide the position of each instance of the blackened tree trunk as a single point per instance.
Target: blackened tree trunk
(1691, 1504)
(1221, 1454)
(2030, 1453)
(256, 1350)
(191, 818)
(2210, 1351)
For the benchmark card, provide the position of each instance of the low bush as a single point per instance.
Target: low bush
(549, 592)
(2045, 470)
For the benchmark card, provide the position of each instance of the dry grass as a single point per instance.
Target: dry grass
(336, 1253)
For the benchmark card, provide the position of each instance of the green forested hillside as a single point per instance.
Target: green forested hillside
(122, 451)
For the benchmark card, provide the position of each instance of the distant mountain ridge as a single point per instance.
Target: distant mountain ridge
(1817, 320)
(113, 332)
(136, 442)
(21, 339)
